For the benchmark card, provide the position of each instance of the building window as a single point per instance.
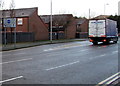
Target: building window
(20, 21)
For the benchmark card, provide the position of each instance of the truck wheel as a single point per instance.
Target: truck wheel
(115, 41)
(95, 43)
(107, 42)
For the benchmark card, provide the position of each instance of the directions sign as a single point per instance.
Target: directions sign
(9, 22)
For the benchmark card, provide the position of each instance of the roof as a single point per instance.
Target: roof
(101, 17)
(46, 18)
(24, 12)
(81, 21)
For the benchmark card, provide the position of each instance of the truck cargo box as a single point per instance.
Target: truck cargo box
(101, 30)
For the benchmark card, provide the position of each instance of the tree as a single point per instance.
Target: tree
(79, 17)
(116, 18)
(58, 21)
(12, 6)
(1, 4)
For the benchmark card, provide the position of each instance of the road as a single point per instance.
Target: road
(64, 63)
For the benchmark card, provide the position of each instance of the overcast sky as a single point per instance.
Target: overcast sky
(75, 7)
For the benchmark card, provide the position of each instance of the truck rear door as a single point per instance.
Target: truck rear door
(101, 28)
(97, 28)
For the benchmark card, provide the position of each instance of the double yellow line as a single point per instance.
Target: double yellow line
(109, 80)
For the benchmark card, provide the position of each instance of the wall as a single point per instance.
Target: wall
(24, 26)
(84, 26)
(37, 26)
(70, 31)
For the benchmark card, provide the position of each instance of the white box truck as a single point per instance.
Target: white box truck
(103, 30)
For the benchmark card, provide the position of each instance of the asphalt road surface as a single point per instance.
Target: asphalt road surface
(64, 63)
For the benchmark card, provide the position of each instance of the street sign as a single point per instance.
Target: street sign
(9, 22)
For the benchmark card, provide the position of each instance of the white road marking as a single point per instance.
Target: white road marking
(59, 53)
(16, 61)
(62, 66)
(102, 55)
(107, 80)
(12, 54)
(49, 49)
(84, 50)
(97, 56)
(11, 79)
(62, 47)
(117, 77)
(114, 52)
(99, 47)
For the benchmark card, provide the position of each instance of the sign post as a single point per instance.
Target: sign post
(5, 36)
(10, 23)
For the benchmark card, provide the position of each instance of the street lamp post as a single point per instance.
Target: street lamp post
(89, 13)
(51, 24)
(105, 8)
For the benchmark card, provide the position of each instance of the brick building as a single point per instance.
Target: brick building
(82, 28)
(27, 20)
(64, 25)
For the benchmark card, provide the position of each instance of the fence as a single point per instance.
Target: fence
(20, 37)
(56, 35)
(82, 35)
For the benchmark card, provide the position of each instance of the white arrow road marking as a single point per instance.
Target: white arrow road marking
(11, 79)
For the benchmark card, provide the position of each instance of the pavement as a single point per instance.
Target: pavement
(36, 43)
(62, 63)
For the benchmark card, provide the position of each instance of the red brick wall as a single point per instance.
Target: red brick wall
(71, 29)
(37, 26)
(84, 26)
(24, 26)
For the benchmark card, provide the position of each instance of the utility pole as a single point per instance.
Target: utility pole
(4, 28)
(51, 24)
(89, 13)
(2, 22)
(105, 8)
